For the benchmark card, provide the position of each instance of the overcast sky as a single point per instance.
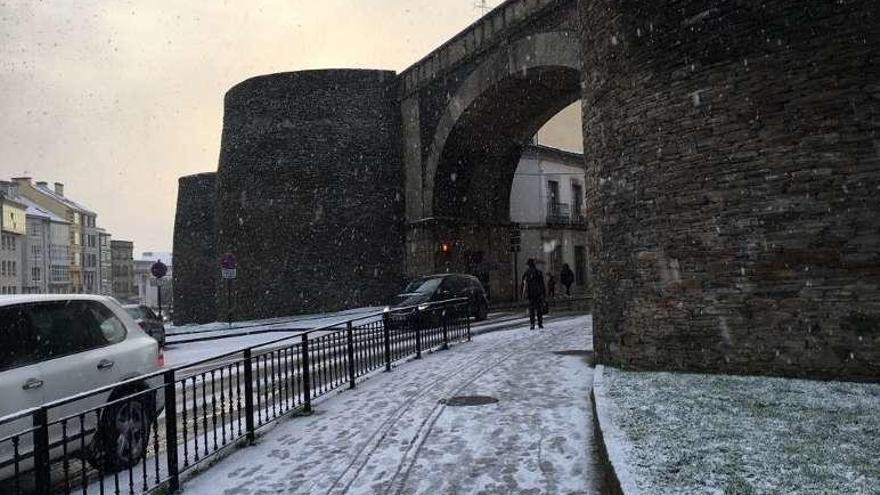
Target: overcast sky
(118, 99)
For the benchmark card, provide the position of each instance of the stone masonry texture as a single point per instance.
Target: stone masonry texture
(196, 269)
(309, 192)
(733, 176)
(733, 163)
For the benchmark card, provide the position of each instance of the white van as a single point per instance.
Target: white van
(57, 346)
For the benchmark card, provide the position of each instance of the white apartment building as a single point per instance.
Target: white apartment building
(547, 202)
(148, 291)
(46, 258)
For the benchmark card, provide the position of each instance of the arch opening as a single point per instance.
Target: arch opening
(476, 173)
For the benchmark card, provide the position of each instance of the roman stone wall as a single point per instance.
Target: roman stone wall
(310, 192)
(733, 153)
(196, 269)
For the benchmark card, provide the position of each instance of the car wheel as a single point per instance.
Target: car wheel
(123, 435)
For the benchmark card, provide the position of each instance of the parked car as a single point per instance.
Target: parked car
(422, 291)
(148, 321)
(54, 347)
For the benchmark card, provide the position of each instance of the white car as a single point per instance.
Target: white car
(58, 346)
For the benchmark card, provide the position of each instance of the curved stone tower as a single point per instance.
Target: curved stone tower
(733, 153)
(309, 192)
(195, 264)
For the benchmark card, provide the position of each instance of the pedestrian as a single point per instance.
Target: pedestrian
(567, 278)
(533, 289)
(551, 286)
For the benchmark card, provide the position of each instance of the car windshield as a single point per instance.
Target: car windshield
(135, 313)
(423, 285)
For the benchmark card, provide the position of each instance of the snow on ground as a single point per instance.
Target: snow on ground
(178, 353)
(683, 433)
(393, 435)
(298, 321)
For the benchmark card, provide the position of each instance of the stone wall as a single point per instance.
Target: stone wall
(309, 191)
(196, 268)
(733, 153)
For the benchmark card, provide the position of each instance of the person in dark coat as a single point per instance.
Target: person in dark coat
(567, 278)
(533, 289)
(551, 286)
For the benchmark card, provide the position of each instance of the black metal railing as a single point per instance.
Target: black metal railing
(141, 435)
(558, 213)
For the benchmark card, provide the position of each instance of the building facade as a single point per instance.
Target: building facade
(46, 257)
(122, 268)
(148, 287)
(105, 263)
(13, 229)
(83, 234)
(547, 205)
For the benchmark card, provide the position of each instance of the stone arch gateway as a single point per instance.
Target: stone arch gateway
(733, 165)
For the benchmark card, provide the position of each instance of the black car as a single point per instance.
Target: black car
(443, 287)
(148, 320)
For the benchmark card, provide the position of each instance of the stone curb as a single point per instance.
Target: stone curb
(616, 478)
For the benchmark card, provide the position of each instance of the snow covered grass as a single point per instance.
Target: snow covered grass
(681, 433)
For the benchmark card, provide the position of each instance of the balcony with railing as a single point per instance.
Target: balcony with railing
(564, 214)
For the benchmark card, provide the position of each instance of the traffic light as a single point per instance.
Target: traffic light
(445, 248)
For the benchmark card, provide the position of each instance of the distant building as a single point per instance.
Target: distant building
(46, 259)
(83, 230)
(122, 261)
(547, 201)
(148, 291)
(105, 263)
(13, 228)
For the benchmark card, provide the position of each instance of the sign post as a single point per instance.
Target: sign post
(515, 247)
(229, 272)
(159, 270)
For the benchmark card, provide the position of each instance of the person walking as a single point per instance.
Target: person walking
(567, 278)
(533, 289)
(551, 286)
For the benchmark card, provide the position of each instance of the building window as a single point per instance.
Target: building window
(35, 274)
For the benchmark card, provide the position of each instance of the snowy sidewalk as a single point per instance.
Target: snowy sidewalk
(394, 435)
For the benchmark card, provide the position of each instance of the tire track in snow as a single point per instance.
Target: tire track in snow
(431, 420)
(363, 457)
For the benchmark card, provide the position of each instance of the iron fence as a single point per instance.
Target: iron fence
(141, 435)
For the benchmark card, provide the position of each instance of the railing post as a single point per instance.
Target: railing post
(171, 431)
(418, 323)
(387, 333)
(446, 328)
(350, 335)
(467, 320)
(43, 480)
(249, 396)
(307, 375)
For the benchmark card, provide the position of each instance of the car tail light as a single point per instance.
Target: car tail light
(160, 359)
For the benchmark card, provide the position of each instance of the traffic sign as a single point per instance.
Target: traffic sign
(228, 262)
(228, 273)
(159, 269)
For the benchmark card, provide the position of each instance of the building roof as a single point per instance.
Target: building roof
(541, 151)
(35, 210)
(44, 189)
